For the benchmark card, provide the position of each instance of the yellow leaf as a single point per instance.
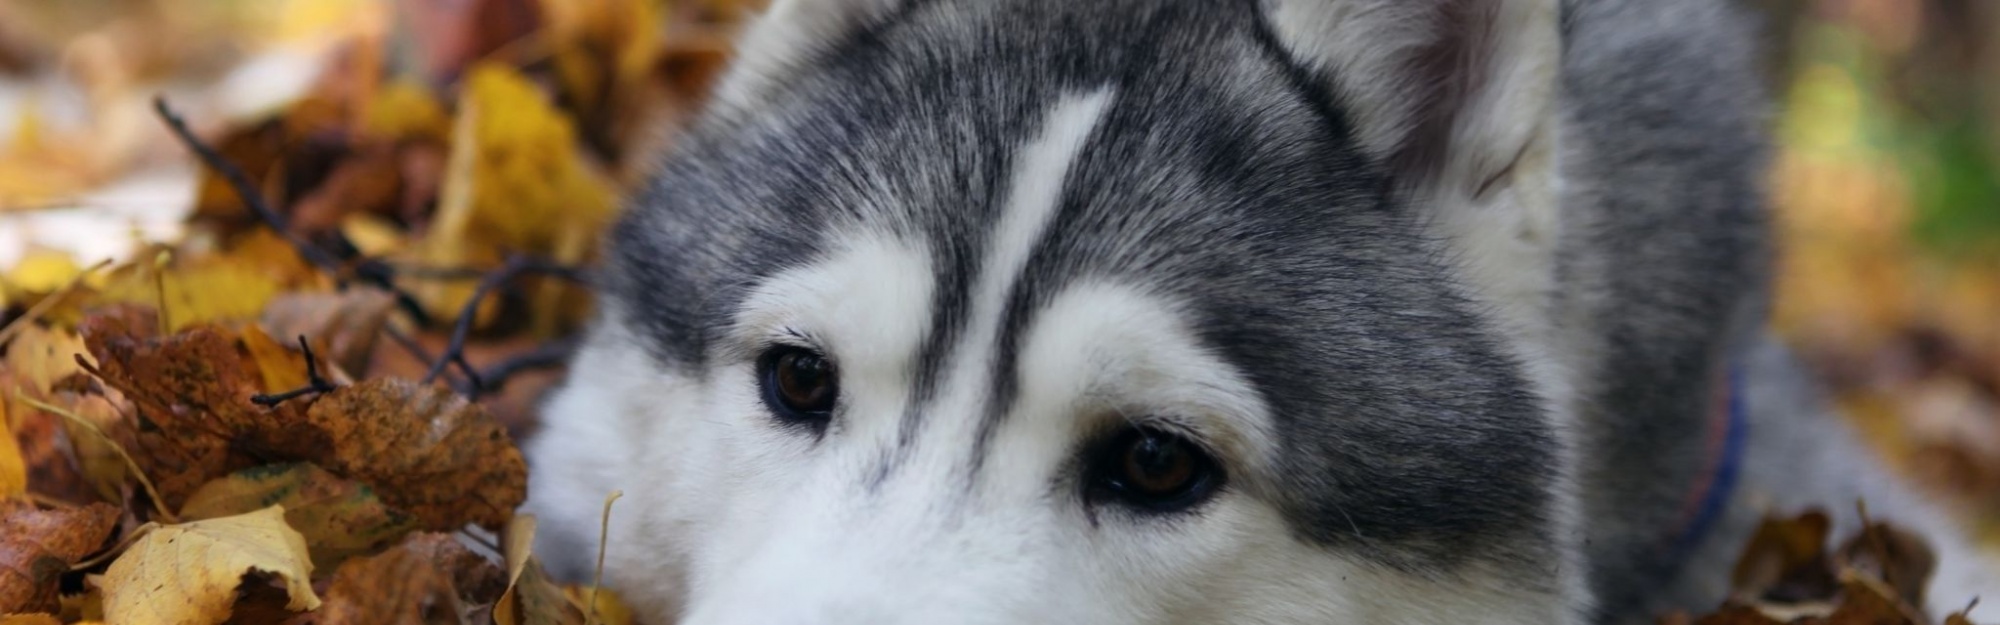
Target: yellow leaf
(531, 598)
(43, 270)
(211, 289)
(281, 368)
(404, 110)
(40, 356)
(611, 610)
(189, 573)
(515, 180)
(13, 469)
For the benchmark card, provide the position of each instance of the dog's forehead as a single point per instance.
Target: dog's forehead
(1208, 177)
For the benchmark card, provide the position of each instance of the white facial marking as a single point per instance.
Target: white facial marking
(1034, 192)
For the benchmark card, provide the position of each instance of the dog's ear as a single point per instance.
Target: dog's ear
(787, 36)
(1458, 99)
(1444, 92)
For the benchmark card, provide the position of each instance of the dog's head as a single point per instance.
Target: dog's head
(1087, 312)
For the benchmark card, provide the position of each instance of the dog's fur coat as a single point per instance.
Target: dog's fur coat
(1445, 286)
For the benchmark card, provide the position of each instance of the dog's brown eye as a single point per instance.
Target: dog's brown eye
(799, 384)
(1158, 465)
(1153, 470)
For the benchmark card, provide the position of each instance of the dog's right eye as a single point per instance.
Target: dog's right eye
(800, 385)
(1153, 470)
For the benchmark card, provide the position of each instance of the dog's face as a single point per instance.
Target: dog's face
(1027, 314)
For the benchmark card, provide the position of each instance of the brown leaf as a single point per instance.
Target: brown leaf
(347, 323)
(37, 546)
(478, 579)
(1739, 614)
(46, 451)
(422, 448)
(425, 449)
(401, 586)
(1786, 561)
(193, 393)
(1866, 601)
(1898, 557)
(339, 518)
(30, 619)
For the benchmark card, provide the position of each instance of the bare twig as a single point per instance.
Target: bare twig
(314, 383)
(254, 200)
(515, 266)
(546, 356)
(245, 190)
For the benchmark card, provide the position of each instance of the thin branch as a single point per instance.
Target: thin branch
(314, 383)
(546, 356)
(254, 200)
(245, 190)
(515, 266)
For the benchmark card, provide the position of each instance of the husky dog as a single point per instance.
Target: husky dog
(1201, 311)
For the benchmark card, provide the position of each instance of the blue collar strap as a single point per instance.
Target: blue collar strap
(1727, 433)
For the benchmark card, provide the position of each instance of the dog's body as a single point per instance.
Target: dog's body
(1438, 294)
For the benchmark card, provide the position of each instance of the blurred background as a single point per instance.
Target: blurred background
(435, 136)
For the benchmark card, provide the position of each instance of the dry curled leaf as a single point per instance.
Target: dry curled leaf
(193, 392)
(347, 323)
(190, 573)
(424, 449)
(1786, 560)
(1898, 557)
(37, 546)
(406, 585)
(339, 518)
(479, 580)
(531, 597)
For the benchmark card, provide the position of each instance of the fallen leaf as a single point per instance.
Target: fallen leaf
(1786, 561)
(279, 367)
(424, 449)
(39, 355)
(189, 573)
(338, 517)
(46, 450)
(531, 598)
(401, 586)
(206, 290)
(84, 606)
(193, 392)
(1898, 557)
(1867, 601)
(95, 447)
(479, 580)
(13, 469)
(348, 323)
(611, 609)
(37, 546)
(514, 181)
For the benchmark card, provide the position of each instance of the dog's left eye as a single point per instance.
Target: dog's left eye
(1153, 470)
